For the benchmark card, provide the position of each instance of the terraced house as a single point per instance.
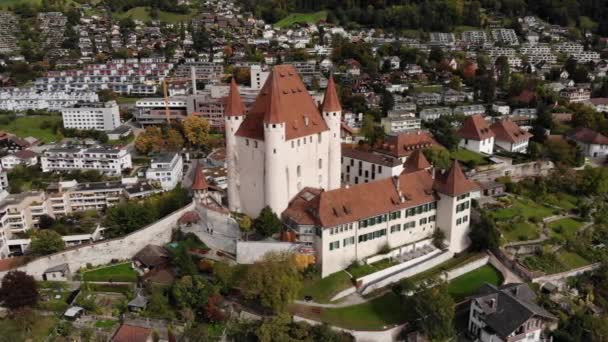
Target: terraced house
(397, 214)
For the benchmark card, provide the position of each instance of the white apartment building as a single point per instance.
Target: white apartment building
(108, 160)
(572, 94)
(469, 110)
(505, 36)
(397, 123)
(20, 99)
(354, 223)
(360, 166)
(23, 157)
(430, 114)
(95, 115)
(166, 169)
(21, 212)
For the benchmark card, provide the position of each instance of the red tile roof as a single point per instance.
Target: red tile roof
(589, 136)
(234, 103)
(415, 162)
(283, 100)
(344, 205)
(129, 333)
(199, 182)
(475, 127)
(25, 154)
(454, 182)
(331, 102)
(404, 144)
(507, 130)
(189, 217)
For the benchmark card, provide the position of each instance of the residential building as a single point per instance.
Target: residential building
(166, 169)
(434, 113)
(282, 145)
(21, 99)
(501, 108)
(572, 94)
(360, 166)
(599, 103)
(23, 157)
(453, 96)
(593, 144)
(505, 36)
(470, 110)
(354, 223)
(21, 212)
(476, 135)
(3, 180)
(108, 160)
(98, 116)
(510, 137)
(427, 99)
(509, 313)
(396, 123)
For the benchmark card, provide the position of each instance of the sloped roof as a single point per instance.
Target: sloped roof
(507, 130)
(199, 182)
(152, 255)
(344, 205)
(404, 144)
(589, 136)
(130, 333)
(331, 102)
(475, 127)
(454, 182)
(234, 103)
(283, 100)
(415, 162)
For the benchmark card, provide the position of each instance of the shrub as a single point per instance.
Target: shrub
(384, 249)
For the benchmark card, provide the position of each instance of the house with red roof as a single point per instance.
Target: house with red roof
(510, 137)
(131, 333)
(476, 135)
(593, 143)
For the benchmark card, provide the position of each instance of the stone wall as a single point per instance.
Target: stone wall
(248, 252)
(388, 335)
(516, 172)
(104, 252)
(466, 268)
(567, 274)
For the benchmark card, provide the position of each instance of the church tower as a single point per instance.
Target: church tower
(234, 114)
(332, 114)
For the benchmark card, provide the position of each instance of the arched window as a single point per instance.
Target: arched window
(299, 171)
(320, 163)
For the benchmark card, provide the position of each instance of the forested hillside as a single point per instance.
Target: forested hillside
(440, 15)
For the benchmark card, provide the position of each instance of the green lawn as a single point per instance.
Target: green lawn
(143, 14)
(467, 156)
(525, 208)
(105, 323)
(40, 330)
(519, 231)
(564, 228)
(127, 100)
(375, 314)
(365, 269)
(322, 290)
(301, 18)
(453, 263)
(467, 284)
(116, 273)
(571, 260)
(40, 127)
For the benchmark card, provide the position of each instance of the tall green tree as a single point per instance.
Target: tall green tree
(46, 242)
(435, 307)
(267, 223)
(18, 290)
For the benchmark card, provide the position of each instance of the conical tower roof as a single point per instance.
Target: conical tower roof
(234, 103)
(454, 182)
(416, 162)
(331, 102)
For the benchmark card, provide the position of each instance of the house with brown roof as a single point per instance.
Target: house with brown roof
(476, 135)
(131, 333)
(21, 157)
(593, 143)
(510, 137)
(354, 223)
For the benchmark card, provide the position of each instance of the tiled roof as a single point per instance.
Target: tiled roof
(415, 162)
(331, 102)
(370, 157)
(507, 130)
(454, 182)
(129, 333)
(199, 182)
(404, 144)
(283, 100)
(475, 127)
(234, 103)
(344, 205)
(589, 136)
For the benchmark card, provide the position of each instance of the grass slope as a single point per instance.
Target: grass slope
(301, 18)
(117, 273)
(36, 126)
(323, 290)
(467, 284)
(564, 228)
(143, 14)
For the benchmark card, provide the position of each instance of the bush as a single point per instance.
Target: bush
(384, 249)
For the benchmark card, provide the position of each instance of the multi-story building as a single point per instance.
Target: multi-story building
(470, 110)
(22, 157)
(20, 99)
(21, 212)
(166, 169)
(509, 313)
(510, 137)
(475, 37)
(106, 160)
(593, 143)
(426, 99)
(354, 223)
(430, 114)
(573, 94)
(360, 166)
(99, 116)
(476, 135)
(282, 145)
(397, 123)
(505, 36)
(206, 71)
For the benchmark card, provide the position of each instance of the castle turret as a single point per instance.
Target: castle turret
(234, 114)
(199, 185)
(275, 190)
(332, 114)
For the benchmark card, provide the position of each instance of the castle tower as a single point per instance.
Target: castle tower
(199, 185)
(454, 206)
(332, 114)
(234, 114)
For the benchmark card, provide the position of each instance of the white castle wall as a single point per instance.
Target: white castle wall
(102, 253)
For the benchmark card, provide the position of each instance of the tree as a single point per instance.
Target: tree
(183, 261)
(274, 281)
(439, 238)
(196, 130)
(445, 133)
(245, 224)
(387, 102)
(372, 132)
(435, 307)
(267, 223)
(106, 95)
(45, 222)
(150, 140)
(484, 234)
(175, 140)
(46, 242)
(18, 290)
(504, 71)
(439, 157)
(192, 292)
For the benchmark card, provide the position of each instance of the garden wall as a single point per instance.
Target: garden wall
(567, 274)
(399, 251)
(362, 336)
(374, 281)
(464, 269)
(248, 252)
(516, 172)
(104, 252)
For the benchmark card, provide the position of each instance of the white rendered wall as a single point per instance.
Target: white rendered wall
(232, 123)
(456, 235)
(333, 120)
(484, 146)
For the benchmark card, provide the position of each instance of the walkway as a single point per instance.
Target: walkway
(349, 300)
(509, 276)
(216, 230)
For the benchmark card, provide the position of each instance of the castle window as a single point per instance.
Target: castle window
(299, 171)
(319, 137)
(293, 144)
(255, 144)
(320, 163)
(246, 142)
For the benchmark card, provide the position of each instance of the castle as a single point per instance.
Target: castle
(282, 145)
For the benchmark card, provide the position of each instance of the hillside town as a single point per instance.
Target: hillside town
(264, 170)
